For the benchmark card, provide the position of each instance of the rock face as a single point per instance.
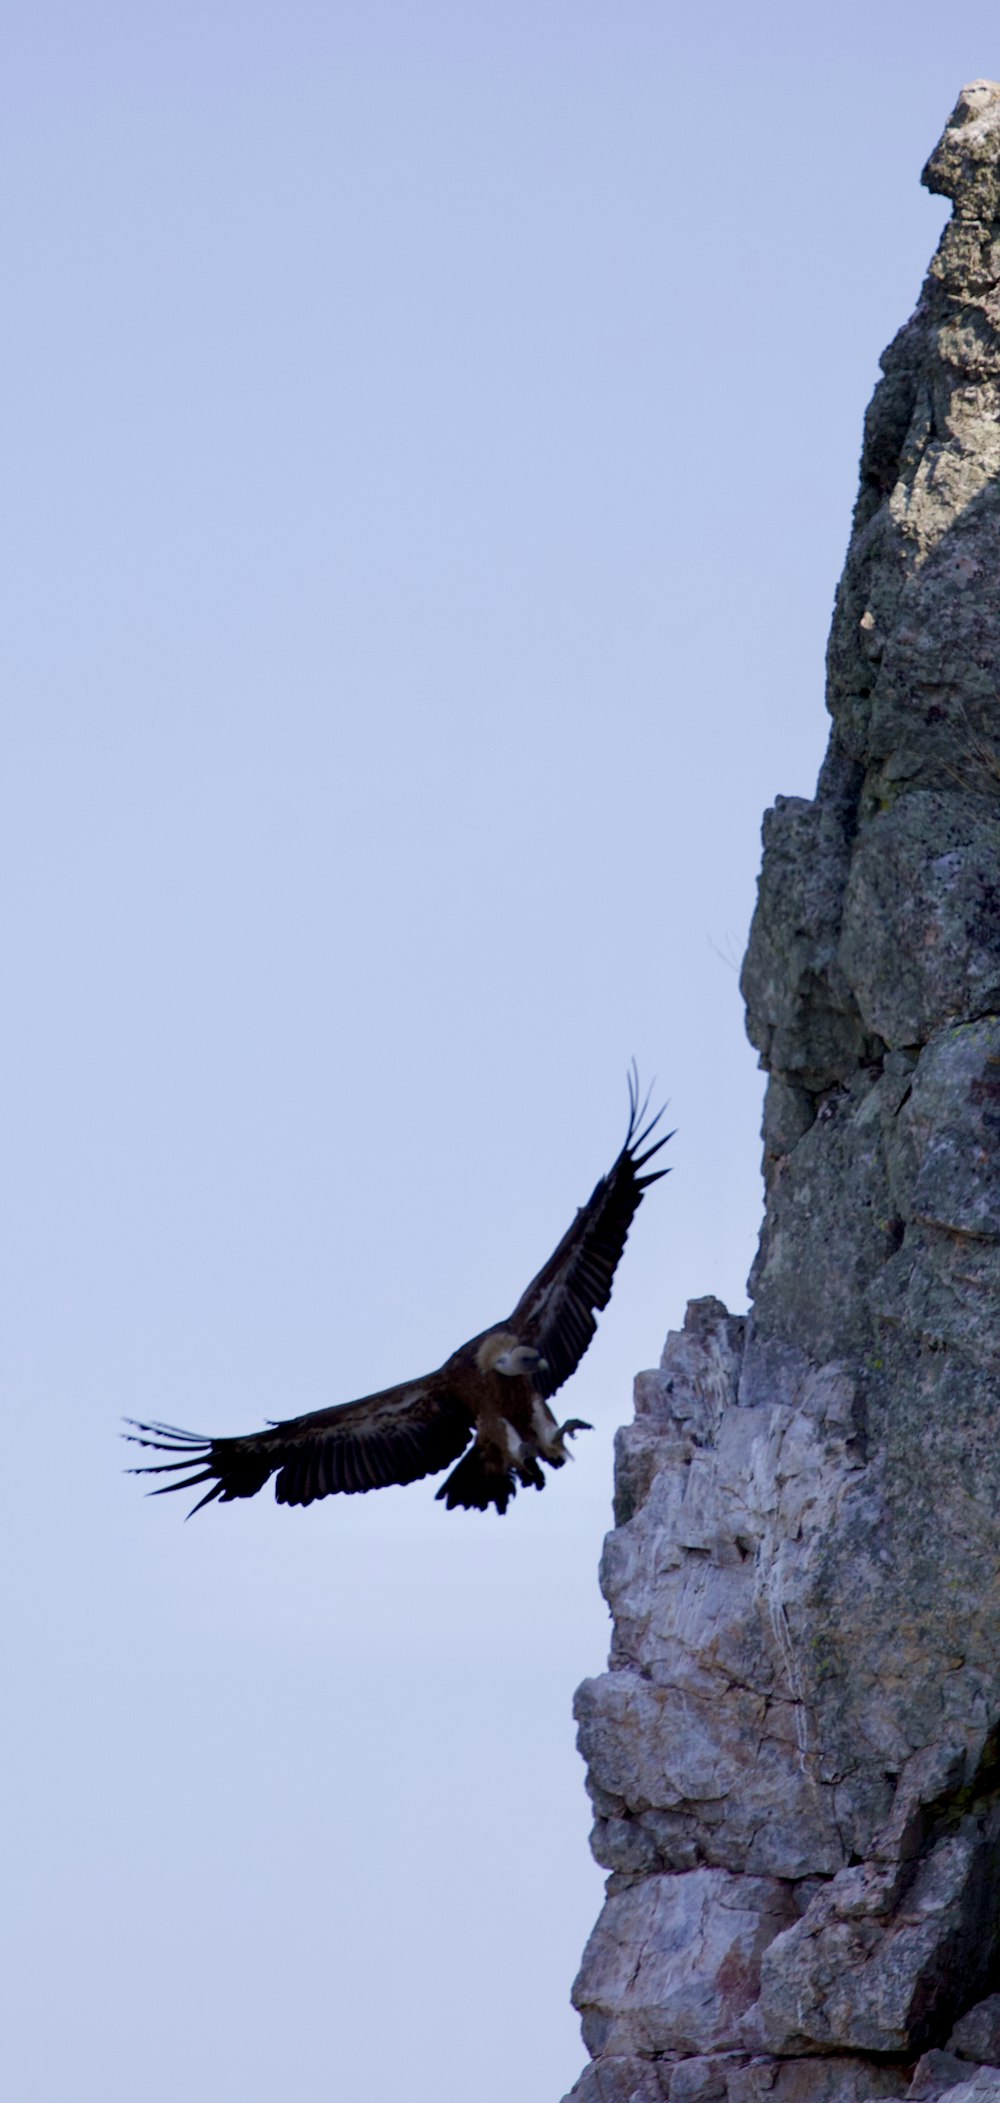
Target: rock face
(794, 1757)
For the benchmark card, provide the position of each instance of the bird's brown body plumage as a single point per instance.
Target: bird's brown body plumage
(497, 1386)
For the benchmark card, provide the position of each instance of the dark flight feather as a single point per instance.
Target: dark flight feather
(558, 1312)
(397, 1436)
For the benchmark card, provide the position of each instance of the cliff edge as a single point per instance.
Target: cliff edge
(794, 1757)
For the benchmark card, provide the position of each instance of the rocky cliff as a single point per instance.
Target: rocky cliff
(794, 1757)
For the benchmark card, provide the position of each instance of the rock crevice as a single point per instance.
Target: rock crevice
(794, 1756)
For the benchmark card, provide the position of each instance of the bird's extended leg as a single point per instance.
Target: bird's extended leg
(559, 1437)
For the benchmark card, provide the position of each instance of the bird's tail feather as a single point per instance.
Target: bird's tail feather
(480, 1479)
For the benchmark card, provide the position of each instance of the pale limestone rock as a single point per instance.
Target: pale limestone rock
(614, 2080)
(698, 2080)
(674, 1962)
(815, 2081)
(697, 1741)
(878, 1954)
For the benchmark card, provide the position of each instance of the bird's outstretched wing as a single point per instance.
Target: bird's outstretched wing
(557, 1313)
(397, 1435)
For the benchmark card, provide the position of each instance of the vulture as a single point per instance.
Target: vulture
(494, 1390)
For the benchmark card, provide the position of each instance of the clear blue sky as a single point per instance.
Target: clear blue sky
(430, 437)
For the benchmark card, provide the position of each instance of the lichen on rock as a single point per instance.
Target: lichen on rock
(794, 1756)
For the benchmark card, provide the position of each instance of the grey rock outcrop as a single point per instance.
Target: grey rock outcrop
(794, 1757)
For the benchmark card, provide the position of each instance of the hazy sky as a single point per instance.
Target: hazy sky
(430, 438)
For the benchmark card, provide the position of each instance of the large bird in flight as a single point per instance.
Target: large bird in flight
(497, 1386)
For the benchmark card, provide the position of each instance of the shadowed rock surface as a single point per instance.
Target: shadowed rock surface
(794, 1758)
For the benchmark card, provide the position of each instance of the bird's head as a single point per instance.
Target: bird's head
(502, 1353)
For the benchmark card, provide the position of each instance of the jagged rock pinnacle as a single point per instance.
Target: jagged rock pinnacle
(795, 1755)
(964, 165)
